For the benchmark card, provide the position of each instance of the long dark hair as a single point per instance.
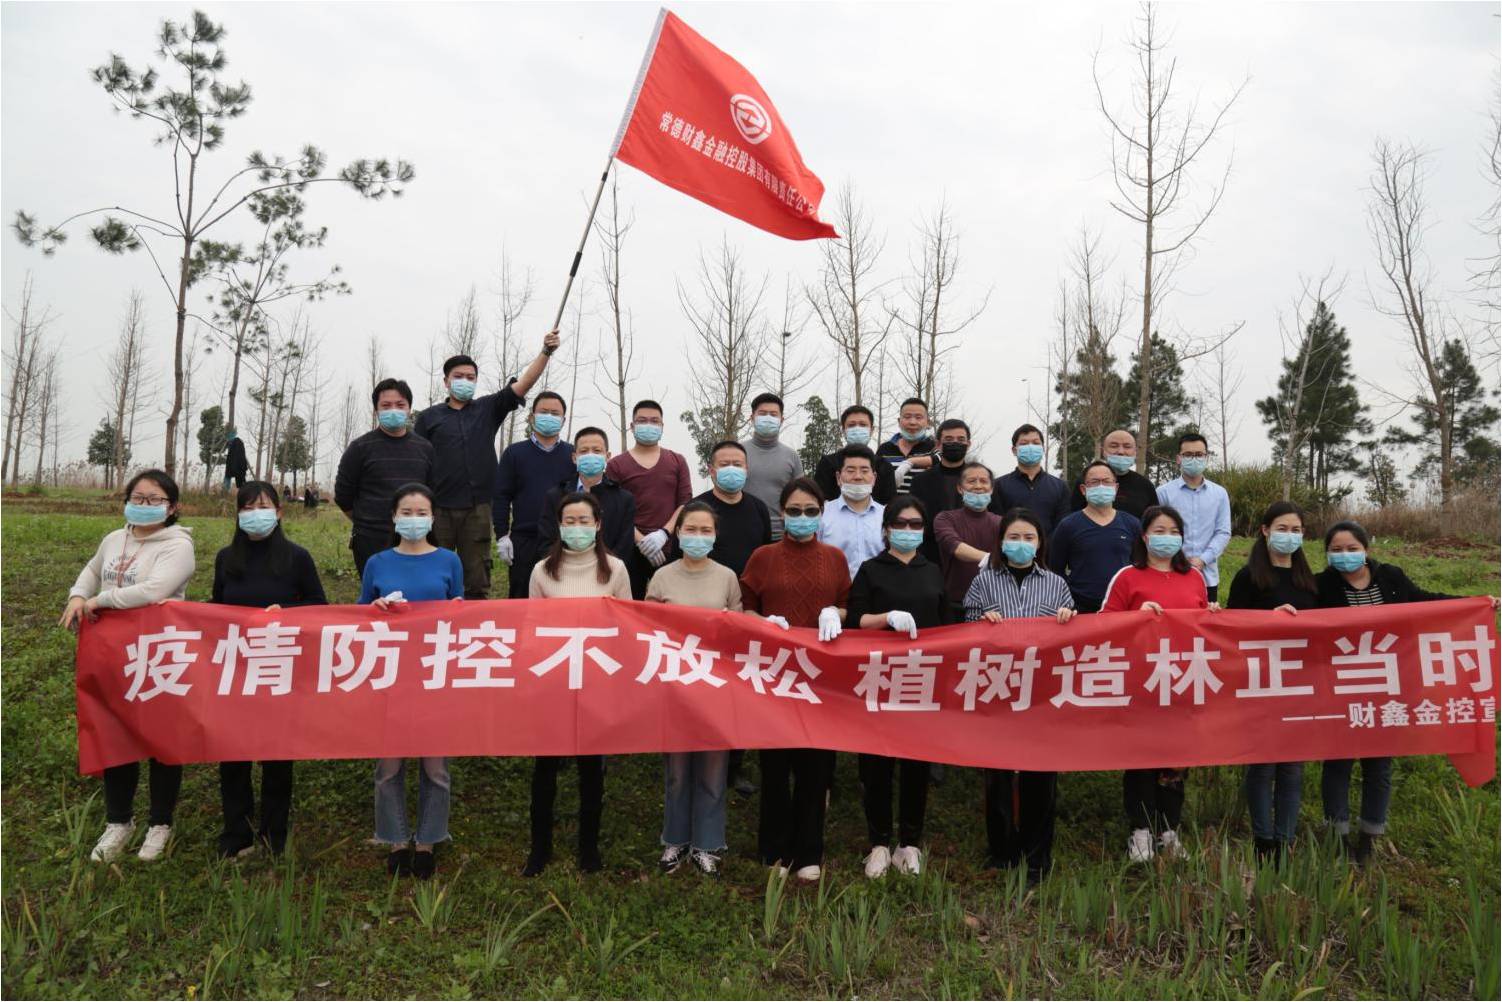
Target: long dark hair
(997, 561)
(555, 552)
(166, 483)
(1259, 562)
(406, 491)
(1179, 563)
(277, 547)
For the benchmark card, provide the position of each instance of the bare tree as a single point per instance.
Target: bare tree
(729, 337)
(794, 373)
(46, 408)
(1061, 355)
(352, 423)
(616, 358)
(515, 295)
(1221, 382)
(844, 298)
(1154, 144)
(375, 363)
(1486, 274)
(127, 377)
(1093, 390)
(929, 329)
(23, 359)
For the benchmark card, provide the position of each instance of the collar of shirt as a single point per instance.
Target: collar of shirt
(545, 448)
(874, 508)
(885, 557)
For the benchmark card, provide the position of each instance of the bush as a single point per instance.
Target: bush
(1253, 487)
(1472, 514)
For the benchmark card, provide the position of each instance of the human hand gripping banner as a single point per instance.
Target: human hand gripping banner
(194, 682)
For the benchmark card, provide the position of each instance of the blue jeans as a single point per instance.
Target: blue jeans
(1376, 793)
(391, 801)
(693, 808)
(1273, 794)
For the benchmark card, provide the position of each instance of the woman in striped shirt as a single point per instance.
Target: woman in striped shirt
(1013, 584)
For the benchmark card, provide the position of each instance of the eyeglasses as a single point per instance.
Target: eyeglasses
(805, 512)
(906, 523)
(143, 499)
(1100, 483)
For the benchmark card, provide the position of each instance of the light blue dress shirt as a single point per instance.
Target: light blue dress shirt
(857, 534)
(1207, 521)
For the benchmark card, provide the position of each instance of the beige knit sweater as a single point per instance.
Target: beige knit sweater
(577, 578)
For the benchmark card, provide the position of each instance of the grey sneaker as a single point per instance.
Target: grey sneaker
(672, 858)
(706, 863)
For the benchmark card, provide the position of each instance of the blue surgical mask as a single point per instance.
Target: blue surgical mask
(647, 434)
(905, 540)
(696, 546)
(414, 527)
(913, 436)
(1100, 496)
(258, 522)
(1193, 467)
(392, 420)
(547, 425)
(1120, 464)
(1030, 454)
(976, 502)
(857, 434)
(578, 537)
(590, 464)
(1018, 551)
(462, 389)
(801, 526)
(1285, 542)
(1348, 561)
(1164, 546)
(730, 478)
(767, 425)
(145, 514)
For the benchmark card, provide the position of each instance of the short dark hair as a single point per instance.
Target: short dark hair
(972, 465)
(1354, 528)
(692, 508)
(406, 491)
(804, 484)
(1179, 563)
(1040, 558)
(162, 480)
(1194, 436)
(549, 395)
(592, 430)
(900, 504)
(857, 409)
(399, 385)
(651, 405)
(1094, 463)
(766, 398)
(727, 444)
(912, 400)
(856, 452)
(950, 424)
(454, 361)
(1026, 429)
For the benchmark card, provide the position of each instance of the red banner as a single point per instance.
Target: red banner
(193, 682)
(699, 122)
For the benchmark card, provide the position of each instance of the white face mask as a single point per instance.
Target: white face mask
(856, 492)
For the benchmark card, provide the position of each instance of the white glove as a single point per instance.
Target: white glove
(652, 543)
(395, 597)
(657, 558)
(903, 622)
(903, 471)
(505, 550)
(829, 623)
(777, 621)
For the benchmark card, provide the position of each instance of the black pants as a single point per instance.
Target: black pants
(912, 803)
(1019, 817)
(365, 544)
(639, 569)
(238, 796)
(1154, 798)
(1084, 604)
(791, 824)
(120, 791)
(545, 792)
(526, 551)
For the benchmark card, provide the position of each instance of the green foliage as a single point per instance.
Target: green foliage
(1169, 404)
(294, 452)
(102, 447)
(213, 437)
(821, 433)
(1384, 487)
(1095, 398)
(1255, 486)
(1471, 417)
(706, 426)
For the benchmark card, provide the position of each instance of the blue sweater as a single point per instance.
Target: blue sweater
(1087, 555)
(420, 578)
(522, 479)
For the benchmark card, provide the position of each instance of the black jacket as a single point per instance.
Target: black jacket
(617, 504)
(885, 583)
(829, 465)
(939, 489)
(235, 463)
(1396, 587)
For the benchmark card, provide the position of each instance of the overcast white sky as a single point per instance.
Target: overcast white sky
(507, 111)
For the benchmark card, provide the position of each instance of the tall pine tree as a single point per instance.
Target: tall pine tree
(1095, 399)
(1170, 408)
(1473, 423)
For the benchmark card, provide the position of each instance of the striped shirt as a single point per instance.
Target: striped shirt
(1041, 593)
(1370, 595)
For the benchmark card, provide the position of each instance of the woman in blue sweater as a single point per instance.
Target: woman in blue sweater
(414, 570)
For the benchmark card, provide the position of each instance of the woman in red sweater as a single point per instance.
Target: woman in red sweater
(1159, 577)
(798, 581)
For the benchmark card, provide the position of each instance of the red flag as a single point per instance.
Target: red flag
(699, 122)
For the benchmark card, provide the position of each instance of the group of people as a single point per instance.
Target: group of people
(912, 535)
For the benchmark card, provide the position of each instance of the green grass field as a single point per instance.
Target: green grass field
(326, 922)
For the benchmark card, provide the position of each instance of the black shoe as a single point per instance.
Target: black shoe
(1362, 854)
(744, 786)
(399, 862)
(231, 847)
(936, 773)
(589, 859)
(424, 864)
(1266, 850)
(1034, 878)
(536, 862)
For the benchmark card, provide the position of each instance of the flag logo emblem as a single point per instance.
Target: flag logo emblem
(751, 119)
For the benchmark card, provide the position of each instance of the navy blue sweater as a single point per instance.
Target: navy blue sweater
(1087, 555)
(523, 478)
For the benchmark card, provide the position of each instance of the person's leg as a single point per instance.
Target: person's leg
(1288, 795)
(1037, 802)
(876, 778)
(775, 810)
(544, 792)
(276, 803)
(120, 792)
(475, 552)
(1259, 801)
(237, 798)
(526, 552)
(1335, 794)
(639, 570)
(446, 523)
(1170, 797)
(366, 545)
(391, 801)
(912, 802)
(677, 799)
(1376, 794)
(434, 799)
(1139, 797)
(591, 807)
(164, 782)
(710, 770)
(1001, 836)
(811, 771)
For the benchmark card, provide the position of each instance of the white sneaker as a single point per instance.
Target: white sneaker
(877, 861)
(1170, 846)
(908, 859)
(112, 843)
(672, 858)
(706, 863)
(1140, 846)
(155, 842)
(782, 871)
(808, 874)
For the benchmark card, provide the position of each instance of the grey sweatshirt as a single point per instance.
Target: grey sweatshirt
(127, 573)
(769, 466)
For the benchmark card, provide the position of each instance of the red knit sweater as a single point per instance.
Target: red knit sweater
(795, 580)
(1132, 586)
